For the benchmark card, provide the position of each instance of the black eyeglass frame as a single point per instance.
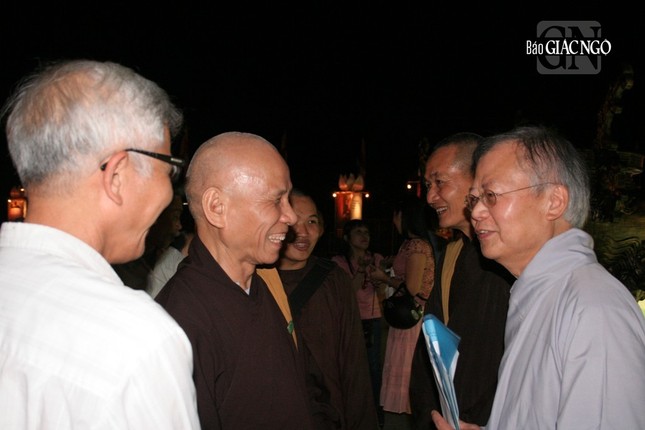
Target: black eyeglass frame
(176, 163)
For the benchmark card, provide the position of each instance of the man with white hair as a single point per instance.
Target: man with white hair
(78, 349)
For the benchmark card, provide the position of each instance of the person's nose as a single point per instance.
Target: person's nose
(289, 217)
(479, 211)
(431, 195)
(299, 228)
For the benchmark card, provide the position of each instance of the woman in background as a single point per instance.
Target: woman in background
(413, 264)
(358, 261)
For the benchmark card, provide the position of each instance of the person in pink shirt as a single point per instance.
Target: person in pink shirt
(357, 260)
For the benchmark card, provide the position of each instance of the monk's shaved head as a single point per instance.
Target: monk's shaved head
(229, 161)
(238, 186)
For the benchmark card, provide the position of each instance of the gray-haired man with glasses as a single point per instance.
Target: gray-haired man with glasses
(575, 337)
(78, 349)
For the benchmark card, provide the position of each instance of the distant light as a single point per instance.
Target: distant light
(334, 195)
(408, 186)
(367, 195)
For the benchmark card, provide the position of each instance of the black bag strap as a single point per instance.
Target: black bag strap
(309, 284)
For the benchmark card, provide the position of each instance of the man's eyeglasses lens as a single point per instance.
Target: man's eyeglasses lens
(489, 198)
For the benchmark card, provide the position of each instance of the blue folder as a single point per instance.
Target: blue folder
(442, 344)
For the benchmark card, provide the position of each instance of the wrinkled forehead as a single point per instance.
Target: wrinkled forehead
(499, 165)
(262, 187)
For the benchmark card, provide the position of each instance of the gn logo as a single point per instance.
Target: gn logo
(568, 47)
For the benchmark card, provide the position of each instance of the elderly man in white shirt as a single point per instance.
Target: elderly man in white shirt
(78, 349)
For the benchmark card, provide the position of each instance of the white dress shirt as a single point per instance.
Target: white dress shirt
(78, 349)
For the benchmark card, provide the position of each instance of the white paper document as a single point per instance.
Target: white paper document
(442, 346)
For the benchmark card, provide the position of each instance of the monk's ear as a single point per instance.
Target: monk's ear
(214, 205)
(558, 202)
(113, 174)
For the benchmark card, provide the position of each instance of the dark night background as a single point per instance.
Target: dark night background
(318, 80)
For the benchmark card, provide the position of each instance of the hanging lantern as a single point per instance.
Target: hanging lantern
(349, 200)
